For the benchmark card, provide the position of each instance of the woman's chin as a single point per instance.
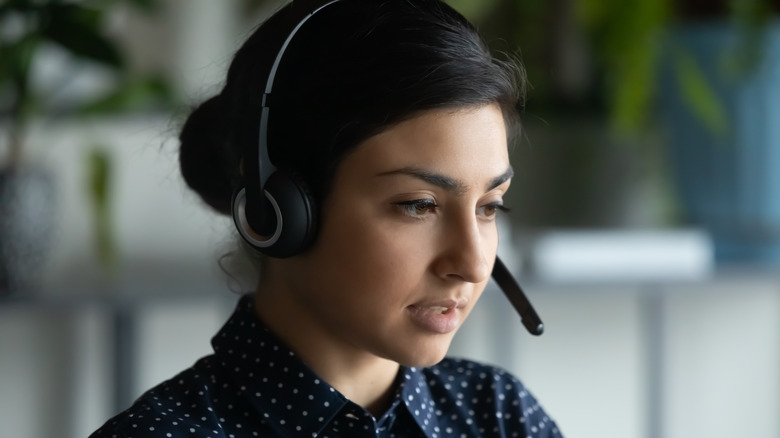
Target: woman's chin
(425, 355)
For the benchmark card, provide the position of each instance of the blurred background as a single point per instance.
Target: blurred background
(645, 220)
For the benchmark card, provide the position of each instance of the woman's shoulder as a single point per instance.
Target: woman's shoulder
(172, 407)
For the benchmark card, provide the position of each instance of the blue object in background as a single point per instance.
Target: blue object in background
(728, 177)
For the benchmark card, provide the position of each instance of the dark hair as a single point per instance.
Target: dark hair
(354, 69)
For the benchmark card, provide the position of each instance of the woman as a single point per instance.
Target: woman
(372, 192)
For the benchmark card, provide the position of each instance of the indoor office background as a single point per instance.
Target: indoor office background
(645, 221)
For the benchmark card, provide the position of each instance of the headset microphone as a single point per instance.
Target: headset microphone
(517, 297)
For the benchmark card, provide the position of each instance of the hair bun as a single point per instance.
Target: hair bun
(207, 158)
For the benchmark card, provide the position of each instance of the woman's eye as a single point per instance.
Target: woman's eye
(418, 207)
(490, 210)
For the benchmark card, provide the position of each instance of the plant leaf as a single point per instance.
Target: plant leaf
(77, 29)
(99, 181)
(697, 92)
(14, 72)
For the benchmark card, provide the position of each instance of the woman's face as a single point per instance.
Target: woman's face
(407, 237)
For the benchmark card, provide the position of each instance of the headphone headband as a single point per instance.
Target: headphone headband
(301, 12)
(273, 211)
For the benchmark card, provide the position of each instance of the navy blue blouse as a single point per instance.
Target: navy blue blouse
(254, 386)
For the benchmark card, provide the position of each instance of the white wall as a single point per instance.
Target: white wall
(717, 344)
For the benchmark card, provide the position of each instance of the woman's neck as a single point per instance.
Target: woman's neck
(362, 377)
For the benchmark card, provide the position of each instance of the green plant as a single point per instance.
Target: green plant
(630, 37)
(623, 44)
(27, 27)
(33, 29)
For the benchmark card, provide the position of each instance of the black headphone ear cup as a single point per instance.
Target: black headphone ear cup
(293, 206)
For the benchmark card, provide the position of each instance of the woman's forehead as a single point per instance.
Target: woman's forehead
(461, 144)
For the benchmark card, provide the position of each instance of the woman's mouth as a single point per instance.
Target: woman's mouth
(439, 310)
(441, 317)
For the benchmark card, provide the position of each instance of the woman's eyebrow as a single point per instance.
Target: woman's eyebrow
(452, 185)
(504, 177)
(449, 184)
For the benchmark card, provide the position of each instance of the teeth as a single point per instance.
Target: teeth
(438, 309)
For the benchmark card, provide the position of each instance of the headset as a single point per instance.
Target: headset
(292, 225)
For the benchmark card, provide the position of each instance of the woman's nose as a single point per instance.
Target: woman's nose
(465, 252)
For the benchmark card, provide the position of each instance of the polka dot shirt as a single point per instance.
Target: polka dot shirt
(254, 386)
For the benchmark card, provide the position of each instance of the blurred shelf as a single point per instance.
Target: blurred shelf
(137, 283)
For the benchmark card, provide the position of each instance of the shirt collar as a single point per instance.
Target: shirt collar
(274, 380)
(417, 398)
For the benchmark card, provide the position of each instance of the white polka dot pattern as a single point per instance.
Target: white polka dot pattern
(254, 386)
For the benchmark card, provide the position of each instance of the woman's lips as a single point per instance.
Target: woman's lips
(438, 317)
